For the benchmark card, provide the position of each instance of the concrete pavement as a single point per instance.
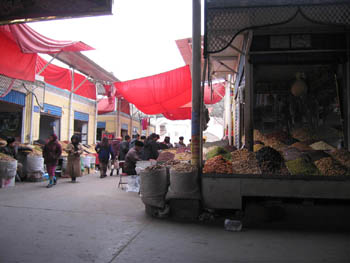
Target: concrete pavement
(93, 221)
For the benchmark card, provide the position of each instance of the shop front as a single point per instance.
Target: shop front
(12, 115)
(50, 121)
(81, 122)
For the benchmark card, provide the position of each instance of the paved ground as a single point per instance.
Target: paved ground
(93, 221)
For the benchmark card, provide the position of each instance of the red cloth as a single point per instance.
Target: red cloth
(13, 62)
(216, 96)
(124, 106)
(31, 41)
(159, 93)
(179, 114)
(106, 105)
(62, 78)
(144, 124)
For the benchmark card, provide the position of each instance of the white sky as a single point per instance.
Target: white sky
(137, 41)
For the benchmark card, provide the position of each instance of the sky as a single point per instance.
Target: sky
(138, 40)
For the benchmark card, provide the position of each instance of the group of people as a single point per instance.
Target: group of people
(126, 152)
(131, 150)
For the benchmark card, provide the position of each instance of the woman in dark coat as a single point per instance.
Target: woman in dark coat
(52, 152)
(105, 151)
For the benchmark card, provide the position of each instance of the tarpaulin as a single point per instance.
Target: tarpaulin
(13, 62)
(62, 78)
(159, 93)
(31, 41)
(211, 96)
(109, 105)
(106, 105)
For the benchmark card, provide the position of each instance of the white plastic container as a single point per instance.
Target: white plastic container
(35, 164)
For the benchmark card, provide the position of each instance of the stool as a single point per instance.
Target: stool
(121, 174)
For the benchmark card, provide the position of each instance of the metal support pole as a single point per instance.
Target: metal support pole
(70, 111)
(131, 122)
(96, 114)
(118, 117)
(196, 81)
(228, 108)
(347, 101)
(248, 103)
(31, 120)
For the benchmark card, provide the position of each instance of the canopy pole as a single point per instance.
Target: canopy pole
(96, 114)
(228, 107)
(118, 116)
(48, 63)
(196, 82)
(70, 120)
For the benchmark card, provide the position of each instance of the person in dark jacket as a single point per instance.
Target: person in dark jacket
(116, 148)
(124, 148)
(135, 138)
(150, 150)
(105, 151)
(12, 150)
(52, 152)
(132, 157)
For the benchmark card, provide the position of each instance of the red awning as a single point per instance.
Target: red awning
(13, 62)
(159, 93)
(179, 114)
(109, 105)
(62, 78)
(31, 41)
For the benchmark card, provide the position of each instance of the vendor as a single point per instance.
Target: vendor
(181, 143)
(12, 149)
(132, 157)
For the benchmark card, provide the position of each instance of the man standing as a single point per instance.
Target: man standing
(150, 151)
(135, 138)
(132, 157)
(105, 151)
(181, 143)
(124, 148)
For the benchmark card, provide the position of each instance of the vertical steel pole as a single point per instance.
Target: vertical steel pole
(248, 100)
(196, 81)
(96, 114)
(118, 116)
(70, 116)
(229, 109)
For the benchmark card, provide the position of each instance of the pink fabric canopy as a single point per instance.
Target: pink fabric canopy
(159, 93)
(62, 78)
(31, 41)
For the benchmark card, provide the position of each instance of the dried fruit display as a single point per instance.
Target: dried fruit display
(276, 144)
(218, 165)
(342, 156)
(304, 134)
(5, 157)
(154, 167)
(257, 147)
(321, 145)
(270, 161)
(302, 167)
(244, 162)
(183, 156)
(2, 142)
(219, 151)
(184, 168)
(328, 166)
(282, 137)
(301, 147)
(165, 156)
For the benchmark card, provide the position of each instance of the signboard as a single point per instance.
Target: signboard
(19, 11)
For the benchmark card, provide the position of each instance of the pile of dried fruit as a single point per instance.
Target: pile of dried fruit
(281, 136)
(171, 162)
(258, 136)
(183, 168)
(154, 167)
(304, 134)
(5, 157)
(276, 144)
(185, 156)
(301, 147)
(244, 162)
(257, 147)
(270, 161)
(165, 156)
(218, 165)
(321, 145)
(301, 167)
(330, 167)
(218, 151)
(342, 156)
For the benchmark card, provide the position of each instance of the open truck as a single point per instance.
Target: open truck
(290, 62)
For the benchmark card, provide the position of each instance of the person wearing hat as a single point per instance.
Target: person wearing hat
(12, 150)
(74, 150)
(51, 153)
(181, 143)
(132, 157)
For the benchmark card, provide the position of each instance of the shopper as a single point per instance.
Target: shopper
(74, 150)
(124, 148)
(135, 138)
(150, 150)
(115, 147)
(143, 138)
(181, 143)
(12, 150)
(105, 151)
(52, 152)
(167, 142)
(132, 157)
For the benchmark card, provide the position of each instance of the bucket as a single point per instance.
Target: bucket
(35, 164)
(8, 169)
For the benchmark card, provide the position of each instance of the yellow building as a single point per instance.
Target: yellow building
(108, 123)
